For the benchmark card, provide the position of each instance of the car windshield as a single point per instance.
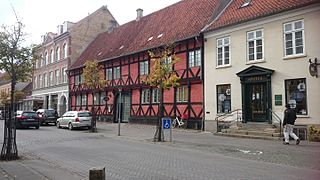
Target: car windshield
(50, 112)
(84, 114)
(29, 114)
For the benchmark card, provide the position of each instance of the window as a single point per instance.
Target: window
(109, 74)
(102, 96)
(195, 58)
(39, 62)
(223, 98)
(77, 80)
(294, 38)
(64, 75)
(46, 59)
(40, 81)
(57, 53)
(145, 96)
(116, 72)
(78, 100)
(84, 100)
(45, 80)
(96, 98)
(155, 96)
(50, 78)
(51, 56)
(296, 95)
(35, 82)
(182, 94)
(144, 68)
(57, 78)
(223, 51)
(65, 50)
(255, 45)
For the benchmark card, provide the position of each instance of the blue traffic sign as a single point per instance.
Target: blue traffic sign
(166, 123)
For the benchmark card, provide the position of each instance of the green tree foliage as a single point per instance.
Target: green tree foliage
(17, 60)
(5, 97)
(163, 77)
(93, 79)
(93, 76)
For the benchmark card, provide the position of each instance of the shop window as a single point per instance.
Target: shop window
(223, 98)
(296, 95)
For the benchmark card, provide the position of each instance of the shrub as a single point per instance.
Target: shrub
(314, 133)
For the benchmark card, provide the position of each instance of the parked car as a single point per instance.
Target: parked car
(75, 119)
(47, 116)
(27, 119)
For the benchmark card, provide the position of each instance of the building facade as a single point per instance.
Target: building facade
(58, 50)
(257, 59)
(123, 55)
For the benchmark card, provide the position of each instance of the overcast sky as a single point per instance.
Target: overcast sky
(41, 16)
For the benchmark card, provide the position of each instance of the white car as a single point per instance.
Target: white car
(75, 119)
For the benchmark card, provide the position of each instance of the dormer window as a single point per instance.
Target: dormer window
(246, 3)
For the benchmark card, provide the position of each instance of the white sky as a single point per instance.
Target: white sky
(41, 16)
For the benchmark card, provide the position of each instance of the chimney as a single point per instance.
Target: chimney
(139, 14)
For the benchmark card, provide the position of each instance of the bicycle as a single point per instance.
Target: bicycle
(179, 122)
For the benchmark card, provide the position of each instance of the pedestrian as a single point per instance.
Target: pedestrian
(288, 125)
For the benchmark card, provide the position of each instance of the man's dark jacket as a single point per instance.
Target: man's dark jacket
(289, 116)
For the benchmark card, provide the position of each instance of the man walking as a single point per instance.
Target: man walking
(288, 124)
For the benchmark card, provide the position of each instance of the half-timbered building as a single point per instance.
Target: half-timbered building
(123, 54)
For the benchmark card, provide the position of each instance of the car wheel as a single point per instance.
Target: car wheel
(70, 126)
(55, 123)
(58, 125)
(37, 127)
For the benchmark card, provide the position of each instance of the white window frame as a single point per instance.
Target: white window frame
(58, 54)
(292, 31)
(45, 80)
(35, 82)
(145, 96)
(40, 80)
(46, 60)
(255, 40)
(96, 99)
(144, 67)
(57, 76)
(51, 78)
(194, 58)
(116, 72)
(223, 46)
(156, 95)
(182, 93)
(51, 55)
(78, 100)
(84, 100)
(109, 75)
(64, 74)
(65, 50)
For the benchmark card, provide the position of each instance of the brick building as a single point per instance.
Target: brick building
(123, 53)
(58, 50)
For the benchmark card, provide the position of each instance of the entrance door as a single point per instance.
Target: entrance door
(256, 105)
(125, 108)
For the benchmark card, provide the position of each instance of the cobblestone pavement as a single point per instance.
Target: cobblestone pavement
(191, 155)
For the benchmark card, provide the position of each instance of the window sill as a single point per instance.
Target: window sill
(256, 61)
(223, 66)
(294, 56)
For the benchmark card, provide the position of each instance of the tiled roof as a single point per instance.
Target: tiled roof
(234, 14)
(179, 21)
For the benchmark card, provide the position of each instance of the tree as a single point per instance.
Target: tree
(5, 97)
(93, 80)
(163, 77)
(17, 60)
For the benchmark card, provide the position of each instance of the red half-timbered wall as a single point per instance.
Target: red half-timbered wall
(131, 83)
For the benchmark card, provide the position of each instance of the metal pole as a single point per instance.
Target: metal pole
(119, 109)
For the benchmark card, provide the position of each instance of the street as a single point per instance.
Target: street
(133, 155)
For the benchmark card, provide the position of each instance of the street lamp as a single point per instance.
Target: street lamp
(119, 109)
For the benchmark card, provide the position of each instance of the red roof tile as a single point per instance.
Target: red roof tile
(179, 21)
(256, 9)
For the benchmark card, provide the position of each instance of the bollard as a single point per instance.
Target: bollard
(97, 173)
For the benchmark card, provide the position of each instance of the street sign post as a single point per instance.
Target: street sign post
(166, 125)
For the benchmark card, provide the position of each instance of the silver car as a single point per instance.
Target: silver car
(75, 119)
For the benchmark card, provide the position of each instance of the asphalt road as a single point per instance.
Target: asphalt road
(192, 155)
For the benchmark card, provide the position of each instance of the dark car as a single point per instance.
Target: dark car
(47, 116)
(25, 119)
